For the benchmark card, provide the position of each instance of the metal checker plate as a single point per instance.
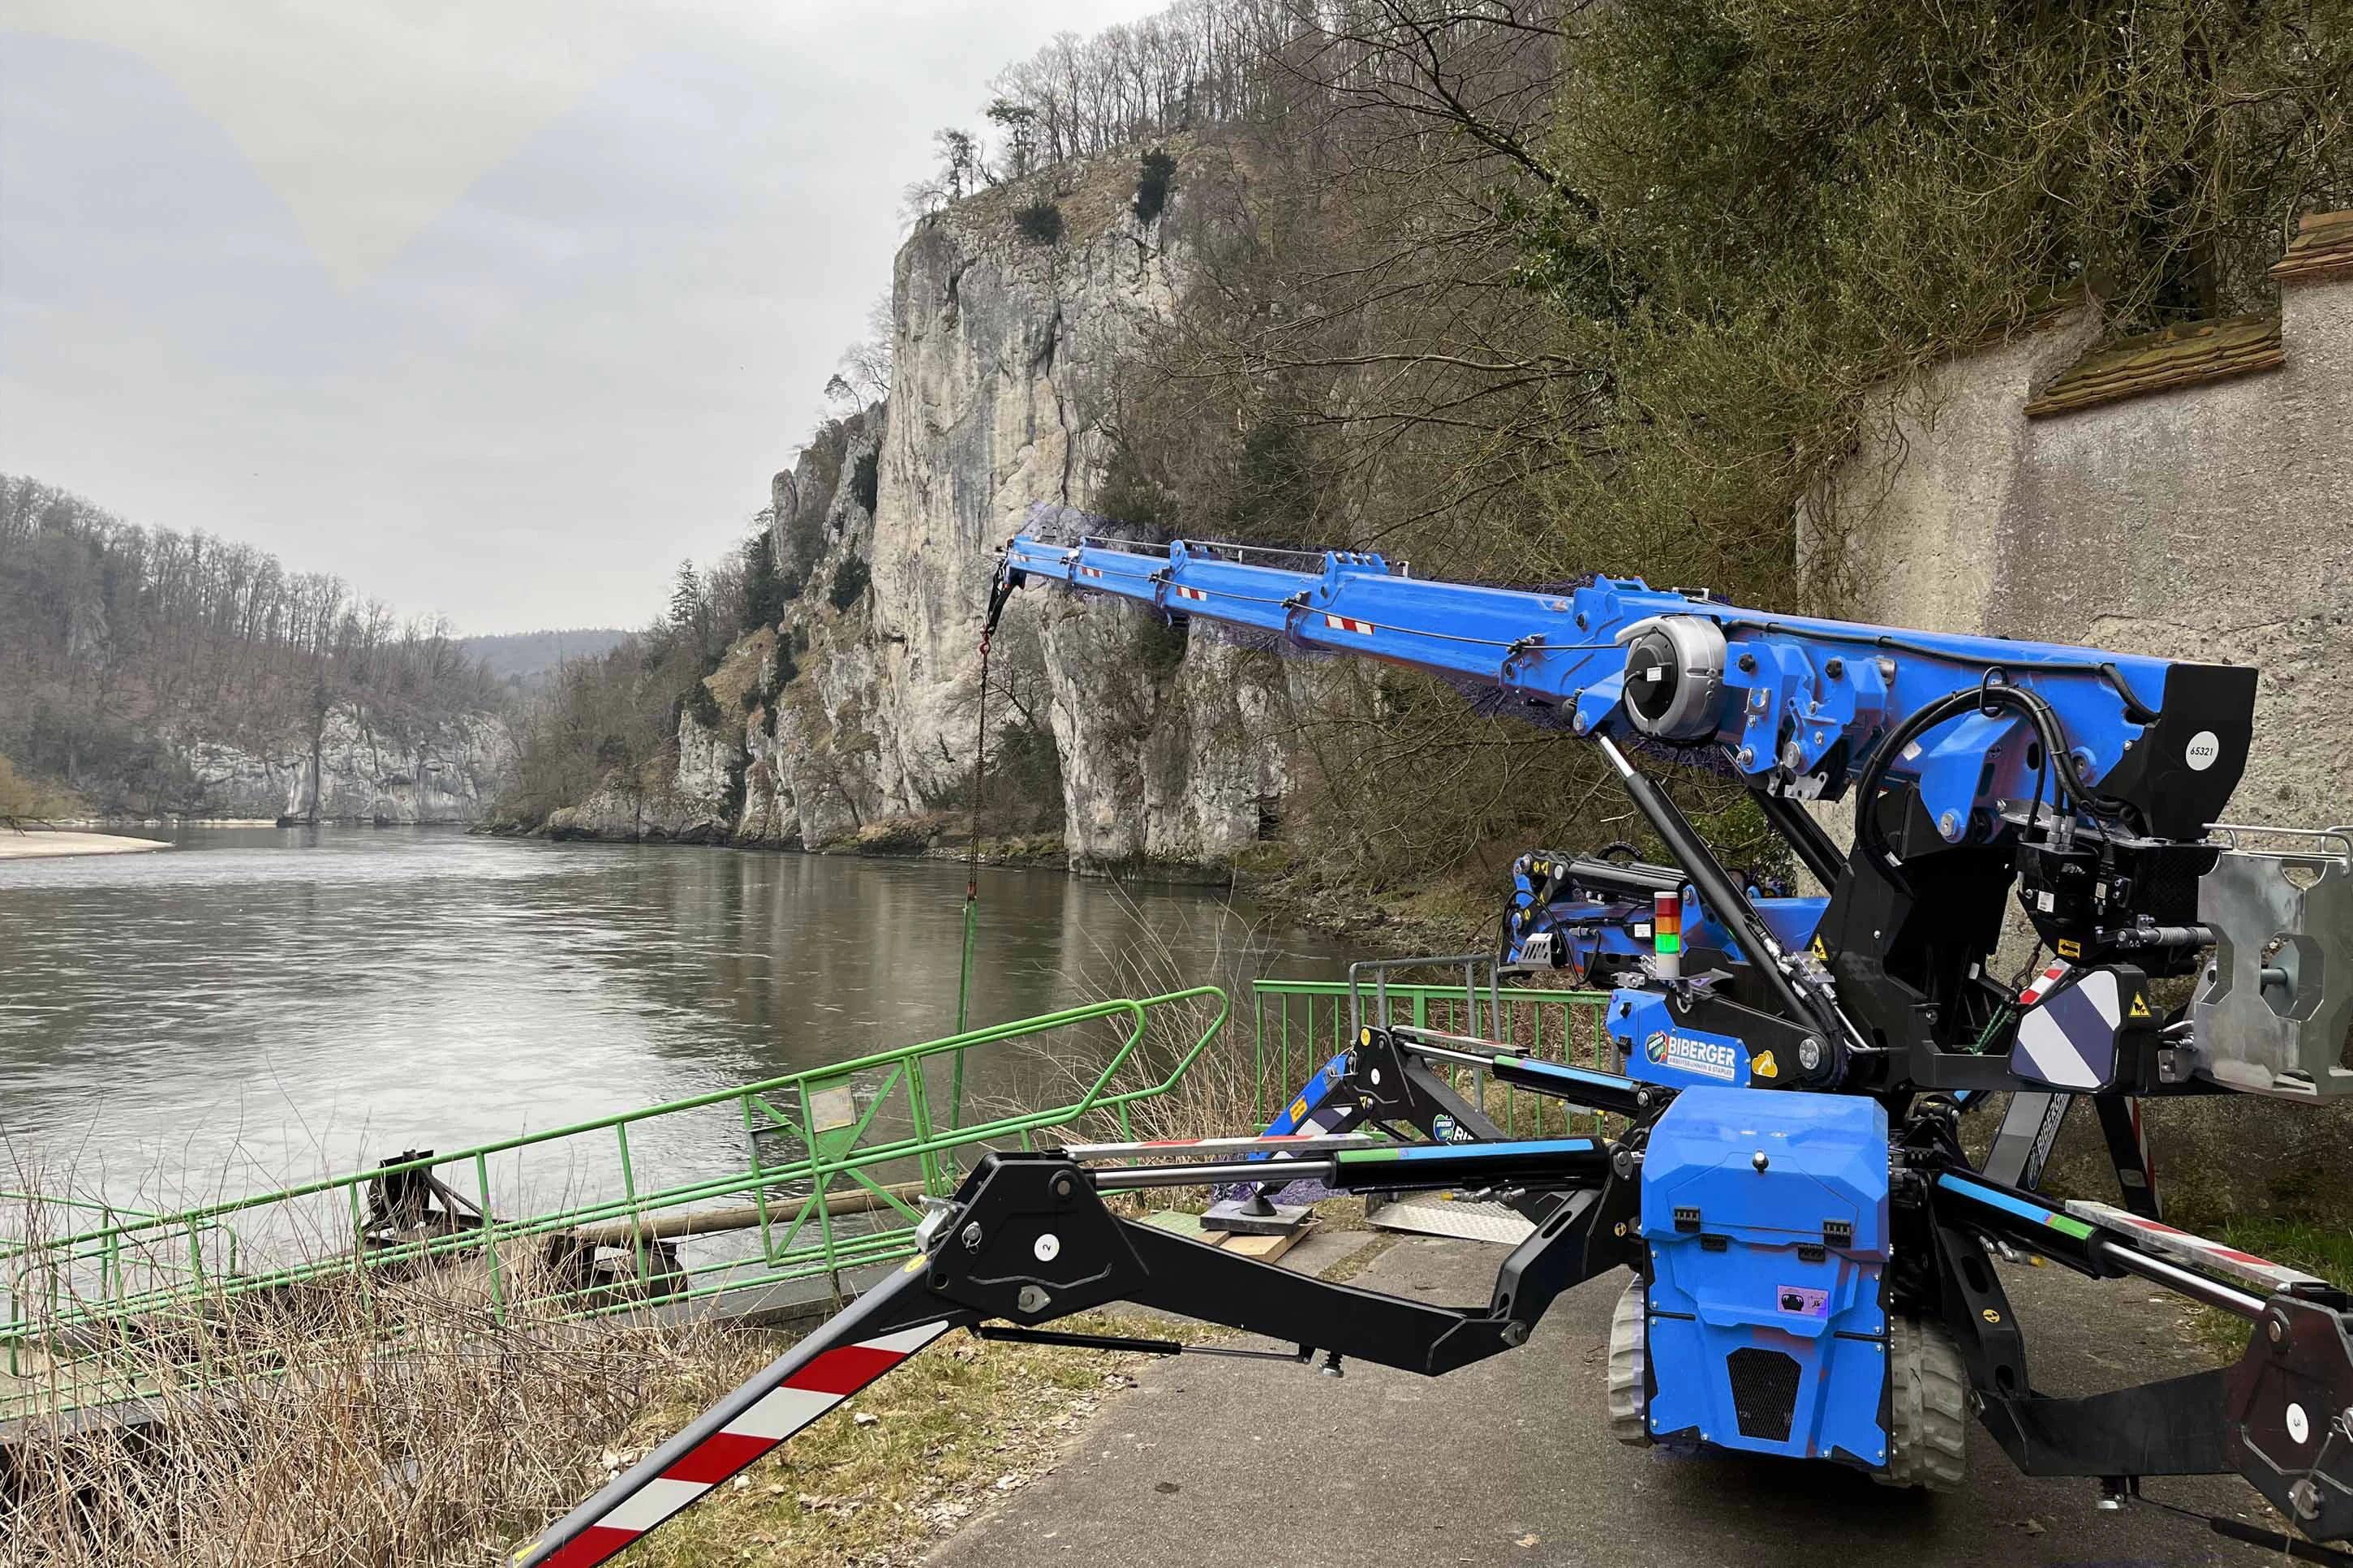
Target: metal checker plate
(1439, 1214)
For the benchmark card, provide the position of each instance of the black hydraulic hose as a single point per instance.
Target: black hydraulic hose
(1950, 706)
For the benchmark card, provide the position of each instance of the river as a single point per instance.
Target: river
(260, 1005)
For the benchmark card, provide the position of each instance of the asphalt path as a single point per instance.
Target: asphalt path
(1217, 1463)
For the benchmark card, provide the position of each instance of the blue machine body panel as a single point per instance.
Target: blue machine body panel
(1752, 1344)
(1596, 928)
(1306, 1110)
(1791, 920)
(1661, 1049)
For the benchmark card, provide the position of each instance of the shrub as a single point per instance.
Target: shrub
(764, 586)
(850, 580)
(865, 482)
(28, 799)
(1128, 494)
(1039, 223)
(702, 707)
(1154, 180)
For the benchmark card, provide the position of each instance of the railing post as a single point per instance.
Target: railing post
(629, 1194)
(918, 1112)
(759, 1183)
(1258, 1055)
(490, 1239)
(816, 1190)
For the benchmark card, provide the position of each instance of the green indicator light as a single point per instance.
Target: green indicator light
(1671, 942)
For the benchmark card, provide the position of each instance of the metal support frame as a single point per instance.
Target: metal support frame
(1028, 1240)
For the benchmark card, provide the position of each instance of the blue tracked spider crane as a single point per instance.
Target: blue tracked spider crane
(1808, 1246)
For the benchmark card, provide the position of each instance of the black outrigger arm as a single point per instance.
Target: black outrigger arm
(1028, 1239)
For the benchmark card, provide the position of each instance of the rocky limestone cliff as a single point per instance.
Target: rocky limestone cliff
(369, 772)
(859, 725)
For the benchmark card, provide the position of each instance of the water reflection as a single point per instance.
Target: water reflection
(261, 1004)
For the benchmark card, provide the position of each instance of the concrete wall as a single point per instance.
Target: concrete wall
(2212, 521)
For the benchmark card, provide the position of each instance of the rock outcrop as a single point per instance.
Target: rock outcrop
(861, 704)
(370, 771)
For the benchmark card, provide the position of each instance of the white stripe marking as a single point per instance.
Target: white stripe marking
(907, 1341)
(2052, 1055)
(781, 1413)
(652, 1503)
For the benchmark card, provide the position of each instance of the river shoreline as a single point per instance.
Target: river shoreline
(48, 844)
(1394, 928)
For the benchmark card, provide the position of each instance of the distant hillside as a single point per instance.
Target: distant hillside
(151, 673)
(524, 656)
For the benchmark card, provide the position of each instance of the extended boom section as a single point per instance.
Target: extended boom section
(2080, 783)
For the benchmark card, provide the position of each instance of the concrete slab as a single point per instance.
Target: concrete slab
(1223, 1464)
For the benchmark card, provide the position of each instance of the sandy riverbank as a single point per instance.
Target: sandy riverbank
(40, 843)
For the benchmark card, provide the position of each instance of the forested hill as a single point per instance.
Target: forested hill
(145, 672)
(523, 660)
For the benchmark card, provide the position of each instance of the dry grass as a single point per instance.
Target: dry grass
(372, 1420)
(879, 1481)
(382, 1422)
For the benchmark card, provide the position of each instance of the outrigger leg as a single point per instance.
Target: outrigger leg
(1028, 1239)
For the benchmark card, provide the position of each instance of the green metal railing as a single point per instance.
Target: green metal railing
(826, 1172)
(1299, 1024)
(807, 1177)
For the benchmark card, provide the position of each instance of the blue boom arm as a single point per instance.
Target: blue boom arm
(2087, 779)
(1796, 706)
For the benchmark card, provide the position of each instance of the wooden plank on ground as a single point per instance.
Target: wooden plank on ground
(1265, 1248)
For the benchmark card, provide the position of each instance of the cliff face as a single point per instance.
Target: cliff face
(369, 772)
(862, 716)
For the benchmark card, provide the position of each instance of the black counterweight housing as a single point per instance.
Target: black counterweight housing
(2179, 774)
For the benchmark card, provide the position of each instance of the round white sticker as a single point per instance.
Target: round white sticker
(2204, 747)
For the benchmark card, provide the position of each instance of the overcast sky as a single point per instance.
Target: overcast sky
(495, 308)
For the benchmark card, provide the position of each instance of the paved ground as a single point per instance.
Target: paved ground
(1211, 1463)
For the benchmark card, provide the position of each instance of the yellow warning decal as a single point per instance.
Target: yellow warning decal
(1365, 1037)
(2070, 949)
(1820, 952)
(2140, 1008)
(1298, 1111)
(1762, 1064)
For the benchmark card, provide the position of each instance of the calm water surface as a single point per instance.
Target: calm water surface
(261, 1004)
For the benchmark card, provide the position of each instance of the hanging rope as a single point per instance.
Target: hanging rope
(1000, 591)
(972, 857)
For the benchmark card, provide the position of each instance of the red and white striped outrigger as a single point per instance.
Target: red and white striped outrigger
(1028, 1240)
(819, 1373)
